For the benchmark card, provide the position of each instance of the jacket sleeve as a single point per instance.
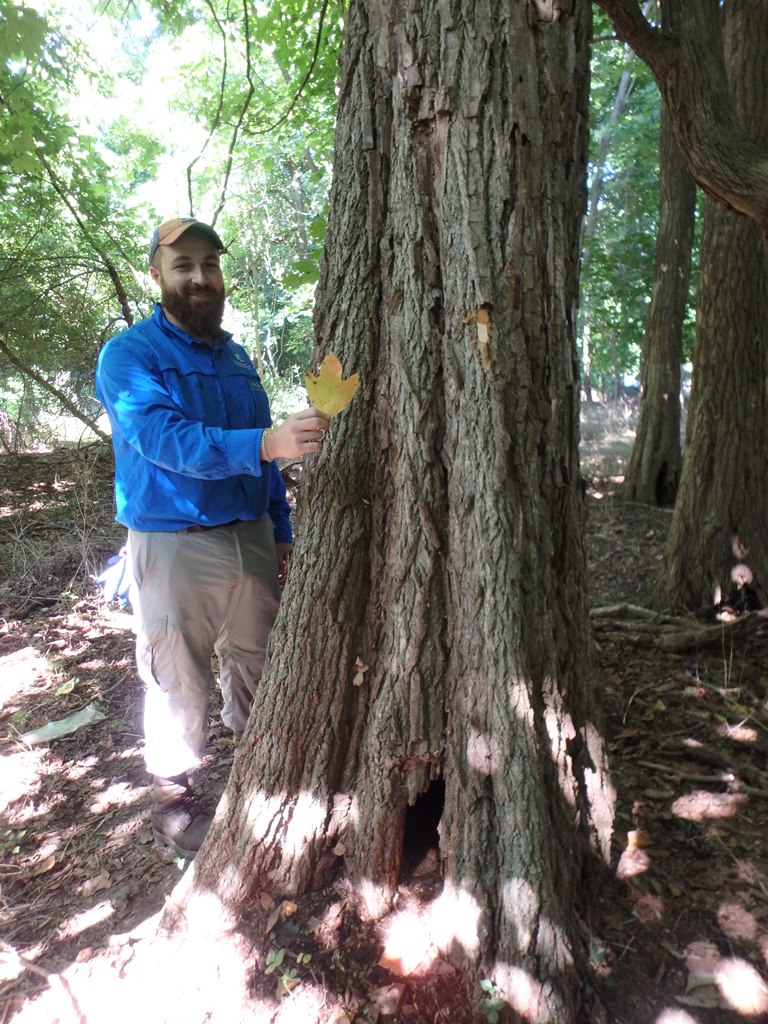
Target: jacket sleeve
(142, 410)
(279, 510)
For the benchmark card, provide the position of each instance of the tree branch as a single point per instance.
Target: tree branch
(631, 25)
(217, 116)
(109, 266)
(70, 406)
(303, 84)
(243, 111)
(642, 627)
(623, 92)
(688, 64)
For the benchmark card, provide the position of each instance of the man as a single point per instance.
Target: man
(208, 527)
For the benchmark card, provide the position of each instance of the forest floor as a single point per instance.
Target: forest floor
(679, 934)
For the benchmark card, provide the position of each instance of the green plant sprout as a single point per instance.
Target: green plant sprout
(10, 841)
(491, 1002)
(288, 978)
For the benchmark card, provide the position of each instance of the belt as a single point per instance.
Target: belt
(198, 528)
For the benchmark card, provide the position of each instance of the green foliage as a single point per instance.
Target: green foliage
(275, 959)
(265, 187)
(617, 272)
(491, 1003)
(22, 34)
(617, 277)
(287, 977)
(10, 840)
(113, 117)
(60, 214)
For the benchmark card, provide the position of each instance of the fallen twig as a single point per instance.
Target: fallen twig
(628, 623)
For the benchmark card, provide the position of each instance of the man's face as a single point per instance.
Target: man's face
(191, 284)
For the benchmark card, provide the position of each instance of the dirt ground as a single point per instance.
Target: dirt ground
(680, 934)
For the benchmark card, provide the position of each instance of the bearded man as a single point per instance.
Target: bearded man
(209, 532)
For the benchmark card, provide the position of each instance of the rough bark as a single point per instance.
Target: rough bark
(724, 489)
(440, 550)
(687, 63)
(653, 473)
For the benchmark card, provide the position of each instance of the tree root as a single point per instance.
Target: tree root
(628, 623)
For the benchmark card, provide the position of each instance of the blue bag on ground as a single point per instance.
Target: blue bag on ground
(115, 581)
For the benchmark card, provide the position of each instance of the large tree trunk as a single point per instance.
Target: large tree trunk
(653, 473)
(724, 489)
(440, 562)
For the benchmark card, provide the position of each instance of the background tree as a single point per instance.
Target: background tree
(653, 473)
(724, 490)
(689, 67)
(440, 550)
(719, 120)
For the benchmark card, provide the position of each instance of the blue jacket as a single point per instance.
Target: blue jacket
(187, 421)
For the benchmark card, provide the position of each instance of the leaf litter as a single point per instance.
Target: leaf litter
(682, 921)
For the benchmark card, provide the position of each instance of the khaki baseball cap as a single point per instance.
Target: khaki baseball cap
(170, 230)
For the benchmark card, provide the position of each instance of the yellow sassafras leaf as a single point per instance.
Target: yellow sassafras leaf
(328, 392)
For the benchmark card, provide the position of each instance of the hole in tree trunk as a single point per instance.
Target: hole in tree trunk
(421, 842)
(666, 487)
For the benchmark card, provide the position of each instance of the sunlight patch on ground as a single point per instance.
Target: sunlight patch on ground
(674, 1016)
(737, 923)
(83, 767)
(634, 860)
(409, 946)
(12, 964)
(703, 806)
(79, 923)
(21, 773)
(145, 977)
(114, 618)
(740, 733)
(304, 1005)
(742, 987)
(155, 989)
(20, 671)
(129, 754)
(733, 982)
(414, 938)
(747, 871)
(456, 916)
(119, 794)
(524, 994)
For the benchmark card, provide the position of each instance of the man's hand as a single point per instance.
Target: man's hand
(284, 552)
(301, 434)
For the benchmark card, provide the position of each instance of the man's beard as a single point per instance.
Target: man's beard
(198, 310)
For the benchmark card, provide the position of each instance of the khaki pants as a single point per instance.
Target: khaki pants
(196, 593)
